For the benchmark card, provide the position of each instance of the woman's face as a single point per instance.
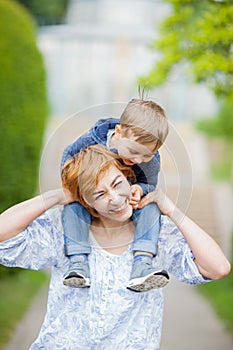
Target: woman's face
(111, 196)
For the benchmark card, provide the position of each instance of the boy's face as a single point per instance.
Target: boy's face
(131, 151)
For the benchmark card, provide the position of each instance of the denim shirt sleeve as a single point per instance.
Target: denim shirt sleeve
(146, 188)
(147, 174)
(82, 142)
(96, 135)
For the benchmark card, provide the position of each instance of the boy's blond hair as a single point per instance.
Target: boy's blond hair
(81, 173)
(146, 120)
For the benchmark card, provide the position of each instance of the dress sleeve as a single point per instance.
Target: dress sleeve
(176, 256)
(40, 245)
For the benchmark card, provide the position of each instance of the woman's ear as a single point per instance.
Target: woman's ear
(117, 132)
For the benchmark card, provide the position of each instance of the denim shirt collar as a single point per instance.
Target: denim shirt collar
(99, 131)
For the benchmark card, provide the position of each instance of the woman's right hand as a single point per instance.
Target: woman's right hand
(16, 218)
(64, 196)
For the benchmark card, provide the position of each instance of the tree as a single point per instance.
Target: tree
(200, 34)
(46, 12)
(23, 104)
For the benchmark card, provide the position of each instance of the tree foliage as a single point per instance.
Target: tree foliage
(222, 125)
(46, 11)
(23, 105)
(200, 34)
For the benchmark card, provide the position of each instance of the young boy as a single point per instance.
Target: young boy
(136, 137)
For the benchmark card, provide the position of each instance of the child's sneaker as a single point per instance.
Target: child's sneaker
(145, 277)
(78, 275)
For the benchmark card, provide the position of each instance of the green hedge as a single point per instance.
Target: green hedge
(23, 104)
(16, 295)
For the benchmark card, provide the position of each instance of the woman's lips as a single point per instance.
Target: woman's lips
(120, 209)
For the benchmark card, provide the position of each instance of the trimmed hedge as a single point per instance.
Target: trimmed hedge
(23, 104)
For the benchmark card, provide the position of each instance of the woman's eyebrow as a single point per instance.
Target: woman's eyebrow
(116, 178)
(97, 192)
(112, 183)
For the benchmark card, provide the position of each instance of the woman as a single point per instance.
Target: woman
(106, 315)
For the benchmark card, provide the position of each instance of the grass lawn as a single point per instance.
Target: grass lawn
(221, 161)
(222, 169)
(16, 293)
(220, 295)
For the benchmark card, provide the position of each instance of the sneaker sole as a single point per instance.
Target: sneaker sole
(152, 281)
(77, 282)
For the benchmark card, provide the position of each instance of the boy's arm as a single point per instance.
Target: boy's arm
(17, 218)
(147, 174)
(208, 256)
(82, 142)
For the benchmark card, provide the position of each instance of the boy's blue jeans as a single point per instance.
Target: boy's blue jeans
(76, 222)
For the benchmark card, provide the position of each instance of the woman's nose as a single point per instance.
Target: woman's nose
(113, 196)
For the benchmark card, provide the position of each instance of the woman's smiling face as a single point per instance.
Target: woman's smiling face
(111, 196)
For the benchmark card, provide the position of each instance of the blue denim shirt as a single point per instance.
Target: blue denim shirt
(146, 173)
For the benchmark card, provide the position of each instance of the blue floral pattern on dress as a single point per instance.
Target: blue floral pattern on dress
(106, 315)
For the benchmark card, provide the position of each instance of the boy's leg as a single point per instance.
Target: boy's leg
(76, 222)
(144, 276)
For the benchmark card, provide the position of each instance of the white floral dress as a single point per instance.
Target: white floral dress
(105, 316)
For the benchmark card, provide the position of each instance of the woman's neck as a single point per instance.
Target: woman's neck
(112, 236)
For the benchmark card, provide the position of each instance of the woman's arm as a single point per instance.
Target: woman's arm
(18, 217)
(209, 258)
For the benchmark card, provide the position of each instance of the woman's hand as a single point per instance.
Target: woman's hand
(209, 258)
(16, 218)
(157, 196)
(64, 196)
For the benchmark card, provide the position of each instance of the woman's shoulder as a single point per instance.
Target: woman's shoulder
(168, 227)
(170, 235)
(55, 216)
(48, 224)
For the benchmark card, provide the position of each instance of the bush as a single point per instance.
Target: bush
(221, 125)
(23, 104)
(6, 271)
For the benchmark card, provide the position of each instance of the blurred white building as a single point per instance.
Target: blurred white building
(99, 54)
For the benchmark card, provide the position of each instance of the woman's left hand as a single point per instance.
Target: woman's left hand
(159, 197)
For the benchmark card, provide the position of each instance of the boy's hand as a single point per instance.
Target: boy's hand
(137, 193)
